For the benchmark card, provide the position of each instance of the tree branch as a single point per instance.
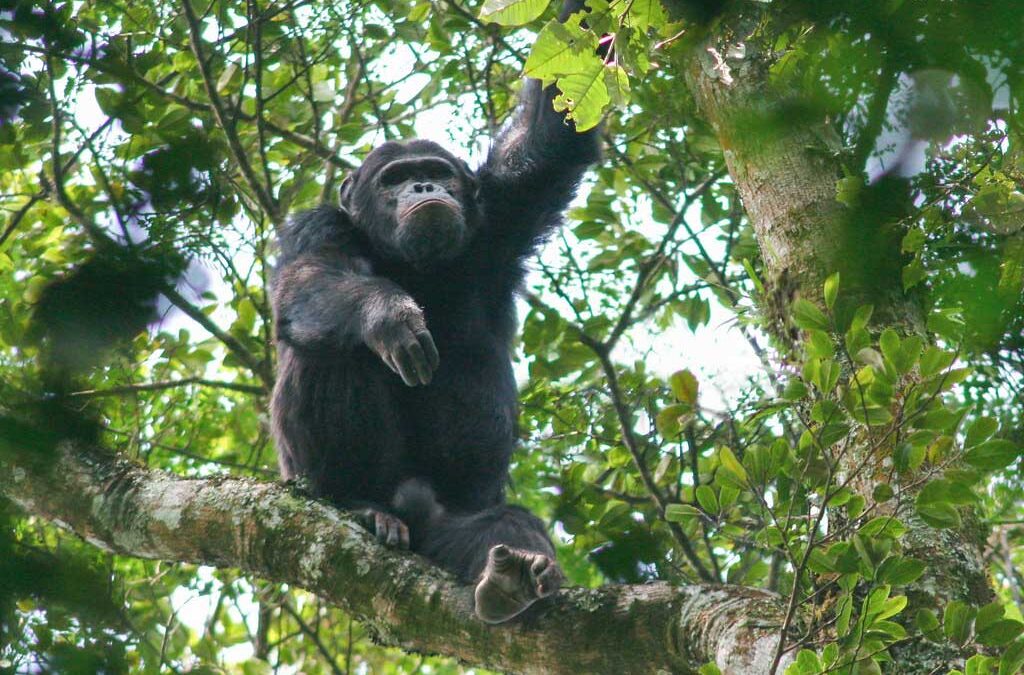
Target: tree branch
(270, 531)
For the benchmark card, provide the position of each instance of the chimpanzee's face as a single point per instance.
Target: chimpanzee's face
(415, 200)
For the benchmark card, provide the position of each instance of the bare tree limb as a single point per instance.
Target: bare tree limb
(270, 531)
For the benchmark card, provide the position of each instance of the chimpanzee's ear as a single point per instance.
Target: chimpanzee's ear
(345, 192)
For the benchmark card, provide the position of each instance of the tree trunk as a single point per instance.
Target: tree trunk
(786, 174)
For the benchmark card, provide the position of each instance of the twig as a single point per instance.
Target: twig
(250, 360)
(314, 636)
(603, 353)
(168, 384)
(227, 124)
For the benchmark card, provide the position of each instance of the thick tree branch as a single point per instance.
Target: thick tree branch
(270, 531)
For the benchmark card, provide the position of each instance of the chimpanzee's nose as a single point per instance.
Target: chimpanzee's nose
(423, 187)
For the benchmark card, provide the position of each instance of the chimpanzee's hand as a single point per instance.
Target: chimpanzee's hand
(400, 337)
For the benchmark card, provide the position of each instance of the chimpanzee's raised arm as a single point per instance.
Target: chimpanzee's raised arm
(536, 162)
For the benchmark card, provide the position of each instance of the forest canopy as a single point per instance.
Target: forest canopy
(771, 369)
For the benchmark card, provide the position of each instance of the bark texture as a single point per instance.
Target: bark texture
(268, 530)
(786, 173)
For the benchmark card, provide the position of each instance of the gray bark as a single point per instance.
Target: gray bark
(272, 532)
(787, 179)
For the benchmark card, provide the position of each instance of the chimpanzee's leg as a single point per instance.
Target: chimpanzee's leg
(505, 549)
(336, 425)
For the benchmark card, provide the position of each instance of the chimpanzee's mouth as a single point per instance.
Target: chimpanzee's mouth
(425, 203)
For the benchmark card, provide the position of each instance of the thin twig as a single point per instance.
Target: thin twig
(168, 384)
(226, 123)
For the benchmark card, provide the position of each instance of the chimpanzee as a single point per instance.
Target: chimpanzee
(395, 318)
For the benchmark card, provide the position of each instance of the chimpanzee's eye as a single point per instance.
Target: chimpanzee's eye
(394, 174)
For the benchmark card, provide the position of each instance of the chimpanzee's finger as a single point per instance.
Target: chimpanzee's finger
(406, 369)
(429, 348)
(419, 361)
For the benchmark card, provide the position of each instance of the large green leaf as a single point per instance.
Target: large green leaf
(992, 455)
(512, 12)
(561, 49)
(584, 95)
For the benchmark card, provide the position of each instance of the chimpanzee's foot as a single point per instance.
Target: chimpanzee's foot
(389, 529)
(512, 581)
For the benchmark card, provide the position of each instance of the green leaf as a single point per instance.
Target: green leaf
(861, 317)
(913, 274)
(684, 386)
(882, 493)
(883, 526)
(876, 599)
(843, 614)
(939, 515)
(727, 497)
(935, 360)
(1013, 659)
(677, 513)
(993, 455)
(819, 344)
(821, 562)
(729, 462)
(246, 317)
(857, 339)
(828, 375)
(891, 607)
(940, 419)
(871, 415)
(910, 351)
(980, 430)
(644, 14)
(619, 457)
(870, 357)
(928, 623)
(943, 490)
(795, 390)
(913, 240)
(616, 81)
(670, 420)
(848, 190)
(806, 315)
(889, 342)
(830, 654)
(855, 506)
(901, 571)
(988, 615)
(584, 95)
(561, 49)
(957, 620)
(808, 662)
(946, 324)
(831, 290)
(752, 273)
(707, 499)
(512, 12)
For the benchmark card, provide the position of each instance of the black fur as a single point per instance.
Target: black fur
(460, 542)
(360, 294)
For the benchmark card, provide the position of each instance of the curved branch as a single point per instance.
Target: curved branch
(269, 530)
